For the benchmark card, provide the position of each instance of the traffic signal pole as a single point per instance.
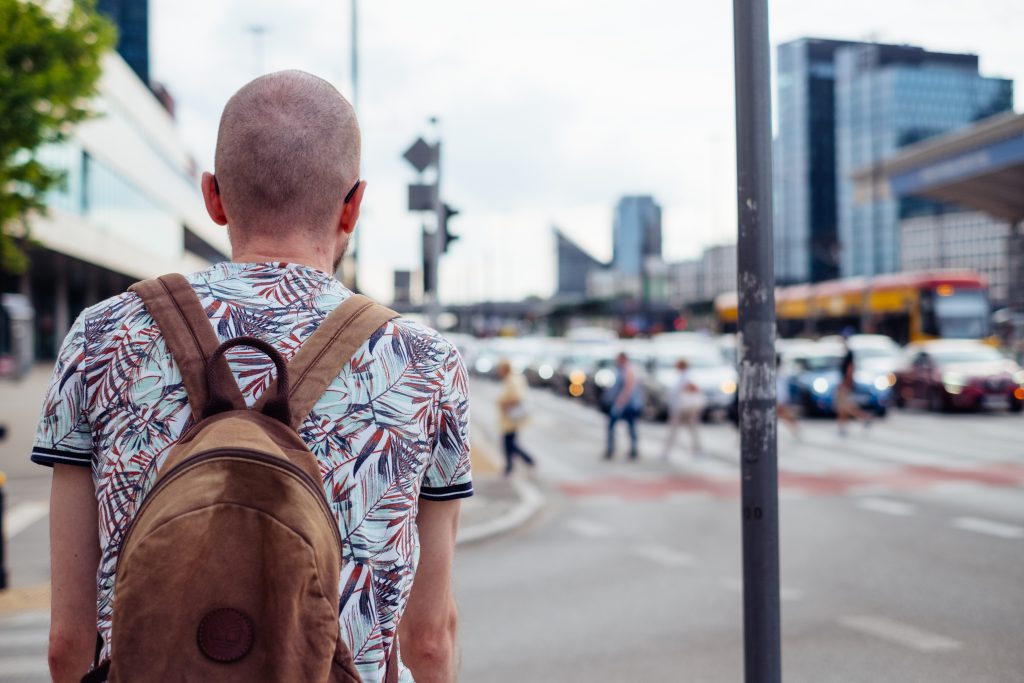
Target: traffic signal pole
(756, 286)
(434, 299)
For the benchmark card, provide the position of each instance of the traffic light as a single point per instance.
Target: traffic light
(447, 211)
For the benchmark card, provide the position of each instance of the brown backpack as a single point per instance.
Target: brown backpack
(229, 570)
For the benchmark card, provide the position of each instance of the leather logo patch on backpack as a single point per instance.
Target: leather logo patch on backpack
(225, 635)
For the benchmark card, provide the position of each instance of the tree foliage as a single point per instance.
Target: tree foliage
(50, 64)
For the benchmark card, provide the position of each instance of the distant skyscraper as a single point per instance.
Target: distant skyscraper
(806, 238)
(887, 97)
(574, 265)
(132, 20)
(636, 234)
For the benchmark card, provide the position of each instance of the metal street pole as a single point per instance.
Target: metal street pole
(353, 257)
(756, 286)
(434, 300)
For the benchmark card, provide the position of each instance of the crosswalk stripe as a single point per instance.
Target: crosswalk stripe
(24, 515)
(988, 527)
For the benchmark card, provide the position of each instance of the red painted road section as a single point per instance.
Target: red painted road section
(910, 478)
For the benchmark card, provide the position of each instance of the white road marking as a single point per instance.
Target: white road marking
(23, 640)
(887, 507)
(986, 526)
(588, 529)
(664, 556)
(530, 503)
(24, 515)
(899, 633)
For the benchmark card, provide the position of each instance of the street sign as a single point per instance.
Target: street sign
(422, 197)
(422, 155)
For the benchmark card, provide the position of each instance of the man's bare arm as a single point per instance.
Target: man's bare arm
(427, 630)
(74, 559)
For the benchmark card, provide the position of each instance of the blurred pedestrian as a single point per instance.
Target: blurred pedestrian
(783, 399)
(686, 404)
(625, 400)
(512, 413)
(846, 398)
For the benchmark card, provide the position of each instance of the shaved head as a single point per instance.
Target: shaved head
(287, 152)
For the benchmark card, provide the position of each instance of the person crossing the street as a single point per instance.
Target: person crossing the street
(512, 414)
(625, 402)
(846, 398)
(685, 404)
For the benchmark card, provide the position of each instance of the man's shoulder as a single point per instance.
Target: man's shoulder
(426, 336)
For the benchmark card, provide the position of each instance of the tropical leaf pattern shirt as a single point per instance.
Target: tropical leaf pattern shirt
(392, 428)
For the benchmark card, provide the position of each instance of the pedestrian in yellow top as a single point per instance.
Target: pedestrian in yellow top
(511, 413)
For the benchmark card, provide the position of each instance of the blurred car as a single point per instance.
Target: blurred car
(580, 363)
(814, 373)
(959, 374)
(709, 369)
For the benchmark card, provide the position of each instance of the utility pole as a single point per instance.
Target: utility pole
(756, 286)
(258, 32)
(352, 258)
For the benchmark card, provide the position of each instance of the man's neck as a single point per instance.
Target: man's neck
(312, 258)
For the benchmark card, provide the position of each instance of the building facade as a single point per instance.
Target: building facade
(132, 20)
(574, 266)
(130, 209)
(636, 234)
(699, 281)
(966, 240)
(806, 234)
(888, 97)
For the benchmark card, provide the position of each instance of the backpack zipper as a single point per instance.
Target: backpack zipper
(250, 454)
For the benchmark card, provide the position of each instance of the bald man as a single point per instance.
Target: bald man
(391, 433)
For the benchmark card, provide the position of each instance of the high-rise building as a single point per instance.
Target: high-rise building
(806, 238)
(636, 234)
(574, 266)
(132, 20)
(887, 97)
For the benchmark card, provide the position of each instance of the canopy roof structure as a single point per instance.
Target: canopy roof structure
(981, 167)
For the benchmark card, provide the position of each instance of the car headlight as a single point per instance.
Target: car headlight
(484, 365)
(953, 382)
(882, 382)
(1018, 377)
(954, 379)
(604, 377)
(545, 372)
(728, 387)
(820, 385)
(577, 377)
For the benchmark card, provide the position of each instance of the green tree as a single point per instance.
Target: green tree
(50, 63)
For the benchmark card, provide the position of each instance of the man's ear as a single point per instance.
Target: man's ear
(211, 195)
(350, 211)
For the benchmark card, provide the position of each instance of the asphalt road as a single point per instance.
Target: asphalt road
(902, 554)
(902, 550)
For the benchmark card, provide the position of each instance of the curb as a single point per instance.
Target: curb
(531, 501)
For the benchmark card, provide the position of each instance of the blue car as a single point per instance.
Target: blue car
(814, 377)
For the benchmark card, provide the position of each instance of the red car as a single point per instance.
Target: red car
(959, 374)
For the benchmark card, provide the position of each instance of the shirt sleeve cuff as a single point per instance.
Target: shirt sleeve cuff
(54, 456)
(464, 490)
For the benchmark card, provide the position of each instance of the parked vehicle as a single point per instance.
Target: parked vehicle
(709, 370)
(954, 374)
(815, 371)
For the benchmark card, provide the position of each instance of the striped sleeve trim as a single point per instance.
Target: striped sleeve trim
(53, 456)
(447, 492)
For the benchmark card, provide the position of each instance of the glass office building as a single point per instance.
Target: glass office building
(636, 234)
(132, 20)
(887, 97)
(806, 238)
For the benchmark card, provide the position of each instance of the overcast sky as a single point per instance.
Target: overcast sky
(549, 109)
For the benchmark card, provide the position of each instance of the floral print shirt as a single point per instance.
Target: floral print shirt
(391, 429)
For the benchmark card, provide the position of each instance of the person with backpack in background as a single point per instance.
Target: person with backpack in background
(625, 400)
(686, 403)
(512, 414)
(256, 473)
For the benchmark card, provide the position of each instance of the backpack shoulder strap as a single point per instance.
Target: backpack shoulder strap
(322, 357)
(189, 336)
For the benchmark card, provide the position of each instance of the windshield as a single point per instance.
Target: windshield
(980, 355)
(695, 358)
(818, 363)
(872, 354)
(962, 314)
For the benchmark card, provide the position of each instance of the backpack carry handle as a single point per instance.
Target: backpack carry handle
(220, 401)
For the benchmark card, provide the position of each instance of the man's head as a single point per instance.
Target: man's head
(287, 155)
(504, 368)
(622, 360)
